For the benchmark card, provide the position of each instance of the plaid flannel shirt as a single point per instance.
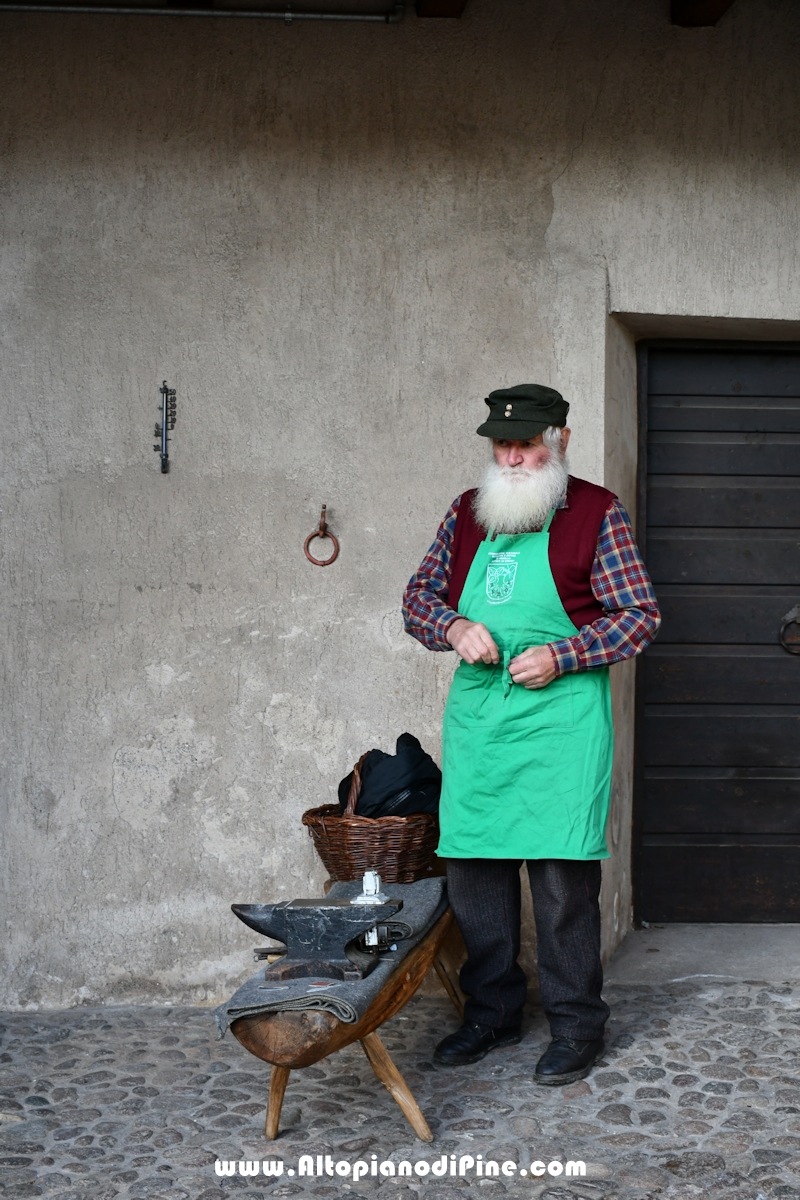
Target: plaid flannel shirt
(619, 581)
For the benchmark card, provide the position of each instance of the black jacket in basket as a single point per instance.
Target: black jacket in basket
(396, 785)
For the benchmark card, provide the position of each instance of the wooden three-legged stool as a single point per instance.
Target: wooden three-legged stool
(298, 1039)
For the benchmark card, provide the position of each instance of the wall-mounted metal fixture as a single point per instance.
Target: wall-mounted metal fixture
(322, 532)
(287, 14)
(697, 12)
(789, 636)
(169, 410)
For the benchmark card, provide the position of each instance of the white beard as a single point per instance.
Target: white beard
(516, 500)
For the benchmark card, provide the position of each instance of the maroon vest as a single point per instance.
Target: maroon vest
(572, 548)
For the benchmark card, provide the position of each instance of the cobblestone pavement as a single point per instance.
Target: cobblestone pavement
(698, 1096)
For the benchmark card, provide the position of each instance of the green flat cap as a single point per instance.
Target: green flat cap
(522, 412)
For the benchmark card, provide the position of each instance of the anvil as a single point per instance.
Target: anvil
(321, 936)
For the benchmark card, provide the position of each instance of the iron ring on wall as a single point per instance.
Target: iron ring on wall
(322, 532)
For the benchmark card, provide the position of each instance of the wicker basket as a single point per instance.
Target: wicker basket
(400, 849)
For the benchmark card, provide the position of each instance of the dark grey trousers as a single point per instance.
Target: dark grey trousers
(485, 895)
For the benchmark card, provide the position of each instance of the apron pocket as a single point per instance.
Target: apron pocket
(550, 707)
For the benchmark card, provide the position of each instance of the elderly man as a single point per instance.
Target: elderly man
(536, 582)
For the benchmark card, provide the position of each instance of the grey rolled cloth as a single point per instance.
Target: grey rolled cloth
(424, 902)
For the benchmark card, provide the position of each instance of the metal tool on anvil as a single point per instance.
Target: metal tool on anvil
(331, 938)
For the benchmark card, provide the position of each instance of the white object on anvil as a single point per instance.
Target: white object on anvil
(370, 890)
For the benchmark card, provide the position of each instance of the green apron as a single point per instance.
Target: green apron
(526, 772)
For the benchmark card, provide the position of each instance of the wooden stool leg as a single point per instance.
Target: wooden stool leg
(399, 1090)
(440, 967)
(277, 1086)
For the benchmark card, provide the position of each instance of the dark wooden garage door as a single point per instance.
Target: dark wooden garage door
(719, 808)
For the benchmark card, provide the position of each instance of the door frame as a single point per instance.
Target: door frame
(642, 365)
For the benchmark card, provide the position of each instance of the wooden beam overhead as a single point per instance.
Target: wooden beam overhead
(440, 8)
(698, 12)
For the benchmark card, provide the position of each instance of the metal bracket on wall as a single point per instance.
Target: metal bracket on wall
(169, 409)
(322, 532)
(694, 13)
(789, 636)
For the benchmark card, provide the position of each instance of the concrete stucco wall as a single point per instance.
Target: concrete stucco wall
(332, 241)
(620, 439)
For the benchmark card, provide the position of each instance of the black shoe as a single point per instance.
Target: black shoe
(473, 1042)
(566, 1060)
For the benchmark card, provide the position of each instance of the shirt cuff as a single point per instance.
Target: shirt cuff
(565, 656)
(442, 625)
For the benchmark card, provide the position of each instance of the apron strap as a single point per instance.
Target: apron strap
(508, 682)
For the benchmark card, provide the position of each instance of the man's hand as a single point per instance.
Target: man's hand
(534, 668)
(472, 642)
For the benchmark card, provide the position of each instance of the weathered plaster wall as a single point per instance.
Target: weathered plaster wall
(620, 438)
(333, 241)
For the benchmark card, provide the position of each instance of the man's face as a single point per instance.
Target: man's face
(530, 455)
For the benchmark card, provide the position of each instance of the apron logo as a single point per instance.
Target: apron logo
(501, 573)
